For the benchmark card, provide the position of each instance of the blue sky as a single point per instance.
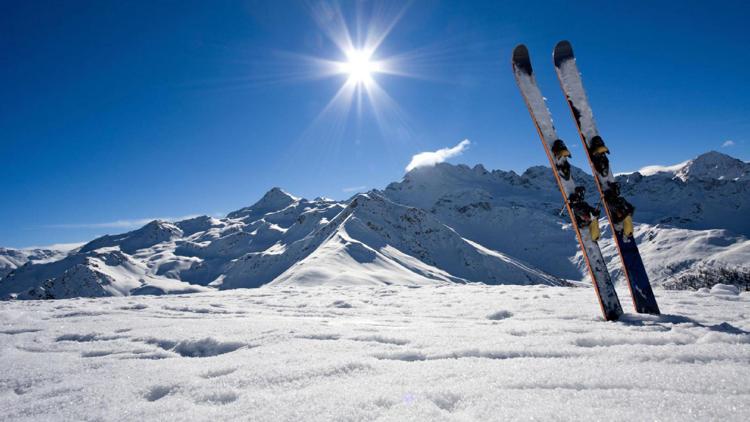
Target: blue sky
(117, 112)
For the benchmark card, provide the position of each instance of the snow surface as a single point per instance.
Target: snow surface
(391, 353)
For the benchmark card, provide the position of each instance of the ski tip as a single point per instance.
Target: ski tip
(521, 60)
(563, 52)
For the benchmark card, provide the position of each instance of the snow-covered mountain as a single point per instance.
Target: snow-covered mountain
(711, 191)
(504, 211)
(711, 165)
(280, 239)
(11, 259)
(691, 215)
(376, 241)
(440, 224)
(106, 271)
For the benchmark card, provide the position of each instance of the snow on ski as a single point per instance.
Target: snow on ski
(618, 210)
(579, 211)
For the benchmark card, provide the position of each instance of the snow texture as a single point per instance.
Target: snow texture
(390, 353)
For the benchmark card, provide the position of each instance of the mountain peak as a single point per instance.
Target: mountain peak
(276, 195)
(715, 158)
(714, 165)
(274, 200)
(441, 168)
(156, 231)
(157, 224)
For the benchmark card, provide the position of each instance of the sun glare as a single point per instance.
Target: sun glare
(359, 66)
(359, 62)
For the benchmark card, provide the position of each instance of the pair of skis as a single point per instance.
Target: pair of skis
(584, 218)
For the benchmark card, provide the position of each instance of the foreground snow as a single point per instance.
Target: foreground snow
(451, 352)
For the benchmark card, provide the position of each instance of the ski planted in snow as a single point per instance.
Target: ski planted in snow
(618, 210)
(582, 215)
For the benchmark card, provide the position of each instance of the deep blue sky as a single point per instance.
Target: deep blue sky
(131, 110)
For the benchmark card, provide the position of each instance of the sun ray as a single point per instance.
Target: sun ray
(337, 108)
(393, 121)
(331, 21)
(376, 34)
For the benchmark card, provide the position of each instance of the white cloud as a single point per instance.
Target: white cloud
(118, 224)
(430, 158)
(727, 144)
(354, 189)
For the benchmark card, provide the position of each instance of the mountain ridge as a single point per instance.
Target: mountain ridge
(440, 224)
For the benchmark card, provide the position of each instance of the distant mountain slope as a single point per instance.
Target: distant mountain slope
(11, 259)
(711, 191)
(516, 214)
(711, 165)
(672, 255)
(101, 272)
(440, 224)
(376, 241)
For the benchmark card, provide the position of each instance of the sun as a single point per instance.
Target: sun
(359, 66)
(359, 62)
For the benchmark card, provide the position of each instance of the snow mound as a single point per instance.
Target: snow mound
(725, 289)
(201, 348)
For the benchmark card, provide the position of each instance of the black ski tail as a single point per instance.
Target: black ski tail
(521, 59)
(563, 52)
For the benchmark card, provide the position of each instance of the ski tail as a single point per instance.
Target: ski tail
(563, 52)
(596, 153)
(640, 287)
(524, 74)
(521, 59)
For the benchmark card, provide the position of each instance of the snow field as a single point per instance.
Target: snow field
(450, 352)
